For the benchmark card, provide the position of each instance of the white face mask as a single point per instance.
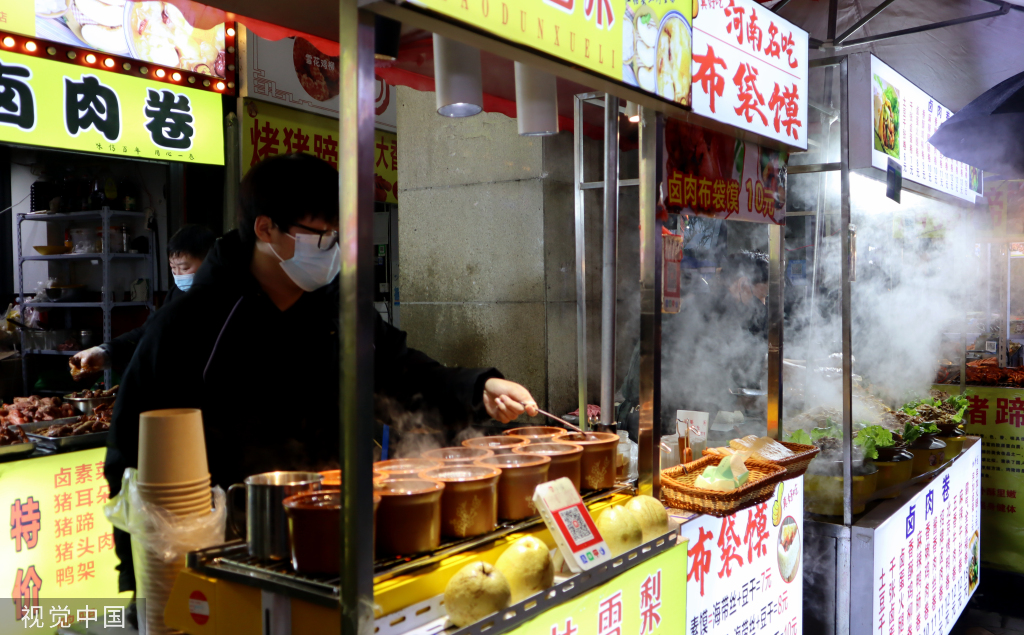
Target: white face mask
(183, 281)
(311, 268)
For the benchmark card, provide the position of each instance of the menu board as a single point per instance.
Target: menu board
(744, 573)
(891, 118)
(750, 69)
(712, 174)
(996, 415)
(60, 546)
(925, 561)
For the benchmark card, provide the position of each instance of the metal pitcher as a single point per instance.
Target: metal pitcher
(266, 525)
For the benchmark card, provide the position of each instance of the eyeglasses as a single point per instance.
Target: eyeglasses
(328, 237)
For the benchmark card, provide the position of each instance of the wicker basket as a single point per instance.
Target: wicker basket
(679, 491)
(797, 465)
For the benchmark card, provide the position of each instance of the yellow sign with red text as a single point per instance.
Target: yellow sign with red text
(642, 44)
(269, 129)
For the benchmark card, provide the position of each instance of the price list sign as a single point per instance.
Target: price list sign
(744, 571)
(59, 543)
(925, 556)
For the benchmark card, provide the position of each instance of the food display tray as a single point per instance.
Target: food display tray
(16, 451)
(62, 444)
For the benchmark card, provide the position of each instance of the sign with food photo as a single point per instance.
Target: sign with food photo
(656, 44)
(750, 69)
(712, 174)
(151, 31)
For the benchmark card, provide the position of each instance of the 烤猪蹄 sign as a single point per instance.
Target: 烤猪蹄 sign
(58, 105)
(750, 69)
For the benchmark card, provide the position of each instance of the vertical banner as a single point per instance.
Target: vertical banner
(744, 573)
(925, 562)
(997, 415)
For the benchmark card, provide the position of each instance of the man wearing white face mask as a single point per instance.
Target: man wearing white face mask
(255, 345)
(186, 250)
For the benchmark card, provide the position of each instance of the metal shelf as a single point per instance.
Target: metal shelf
(39, 351)
(91, 215)
(96, 257)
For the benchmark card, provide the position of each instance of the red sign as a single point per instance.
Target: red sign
(198, 607)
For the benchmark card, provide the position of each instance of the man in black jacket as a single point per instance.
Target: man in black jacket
(254, 345)
(186, 251)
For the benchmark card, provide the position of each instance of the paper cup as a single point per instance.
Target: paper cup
(172, 448)
(163, 487)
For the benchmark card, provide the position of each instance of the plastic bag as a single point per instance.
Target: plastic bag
(165, 535)
(629, 454)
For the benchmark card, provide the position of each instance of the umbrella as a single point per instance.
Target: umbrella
(988, 133)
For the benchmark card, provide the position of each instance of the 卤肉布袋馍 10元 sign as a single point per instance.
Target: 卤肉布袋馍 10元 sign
(59, 105)
(642, 44)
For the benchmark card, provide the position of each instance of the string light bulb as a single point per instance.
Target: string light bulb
(161, 73)
(109, 63)
(8, 41)
(30, 46)
(90, 59)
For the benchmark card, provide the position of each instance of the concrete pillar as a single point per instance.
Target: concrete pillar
(488, 255)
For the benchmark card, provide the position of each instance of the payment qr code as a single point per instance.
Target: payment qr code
(576, 525)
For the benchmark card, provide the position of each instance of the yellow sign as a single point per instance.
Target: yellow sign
(648, 599)
(268, 129)
(75, 107)
(60, 544)
(18, 16)
(587, 33)
(997, 416)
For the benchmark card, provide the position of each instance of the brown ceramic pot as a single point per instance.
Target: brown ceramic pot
(401, 468)
(597, 466)
(409, 516)
(520, 475)
(469, 504)
(538, 434)
(502, 444)
(457, 455)
(314, 520)
(565, 459)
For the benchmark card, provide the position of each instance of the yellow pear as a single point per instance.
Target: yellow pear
(476, 591)
(527, 566)
(621, 532)
(651, 515)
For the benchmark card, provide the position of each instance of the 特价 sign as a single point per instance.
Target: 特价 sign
(750, 69)
(58, 105)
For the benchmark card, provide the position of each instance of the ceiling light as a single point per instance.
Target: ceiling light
(633, 111)
(457, 78)
(536, 101)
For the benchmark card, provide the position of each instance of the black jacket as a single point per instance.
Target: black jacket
(121, 348)
(266, 380)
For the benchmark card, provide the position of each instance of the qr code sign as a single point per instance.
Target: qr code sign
(576, 525)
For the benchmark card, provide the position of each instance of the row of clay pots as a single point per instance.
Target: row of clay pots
(895, 465)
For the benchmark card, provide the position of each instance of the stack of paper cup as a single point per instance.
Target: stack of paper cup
(174, 475)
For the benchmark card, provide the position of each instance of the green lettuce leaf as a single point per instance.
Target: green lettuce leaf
(799, 436)
(873, 437)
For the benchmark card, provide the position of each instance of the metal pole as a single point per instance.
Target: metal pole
(775, 317)
(860, 23)
(649, 436)
(357, 316)
(844, 232)
(608, 254)
(923, 28)
(581, 259)
(1004, 301)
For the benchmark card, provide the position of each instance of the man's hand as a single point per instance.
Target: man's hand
(506, 400)
(91, 360)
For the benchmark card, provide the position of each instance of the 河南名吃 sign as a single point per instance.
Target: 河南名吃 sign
(58, 105)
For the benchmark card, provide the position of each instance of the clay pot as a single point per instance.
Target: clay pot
(409, 516)
(520, 476)
(458, 455)
(469, 504)
(538, 434)
(823, 487)
(953, 436)
(502, 444)
(314, 520)
(895, 465)
(597, 466)
(400, 468)
(565, 459)
(929, 453)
